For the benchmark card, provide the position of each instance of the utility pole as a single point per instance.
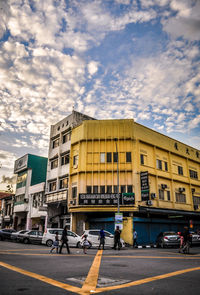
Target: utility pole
(118, 206)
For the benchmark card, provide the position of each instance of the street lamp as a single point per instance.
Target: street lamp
(118, 208)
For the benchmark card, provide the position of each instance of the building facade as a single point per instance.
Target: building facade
(30, 210)
(6, 209)
(157, 178)
(57, 181)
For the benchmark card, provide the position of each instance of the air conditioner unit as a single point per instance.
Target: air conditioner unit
(73, 202)
(163, 186)
(181, 189)
(153, 196)
(149, 203)
(196, 207)
(26, 200)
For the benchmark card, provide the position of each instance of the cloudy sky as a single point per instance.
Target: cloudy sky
(118, 59)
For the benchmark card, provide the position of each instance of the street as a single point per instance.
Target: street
(30, 269)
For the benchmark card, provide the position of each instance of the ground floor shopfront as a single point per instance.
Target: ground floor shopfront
(148, 224)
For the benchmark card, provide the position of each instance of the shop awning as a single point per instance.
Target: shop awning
(143, 209)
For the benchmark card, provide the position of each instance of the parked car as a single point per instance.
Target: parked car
(6, 233)
(74, 240)
(31, 236)
(168, 239)
(195, 238)
(14, 235)
(93, 237)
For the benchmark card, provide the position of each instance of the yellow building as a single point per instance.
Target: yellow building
(157, 177)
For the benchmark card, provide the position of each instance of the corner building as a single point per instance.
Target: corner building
(157, 177)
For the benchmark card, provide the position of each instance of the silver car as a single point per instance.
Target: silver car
(31, 236)
(168, 239)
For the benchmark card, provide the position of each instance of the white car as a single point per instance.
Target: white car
(93, 237)
(74, 240)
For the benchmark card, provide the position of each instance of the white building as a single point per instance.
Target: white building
(58, 169)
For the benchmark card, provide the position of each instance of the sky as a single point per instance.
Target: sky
(110, 59)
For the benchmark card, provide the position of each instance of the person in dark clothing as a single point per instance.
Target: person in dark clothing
(117, 238)
(102, 238)
(64, 240)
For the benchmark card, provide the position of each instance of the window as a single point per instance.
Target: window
(193, 174)
(65, 159)
(161, 194)
(129, 188)
(128, 157)
(141, 159)
(66, 137)
(63, 183)
(159, 164)
(168, 195)
(102, 157)
(55, 143)
(109, 157)
(196, 200)
(102, 189)
(180, 198)
(54, 163)
(74, 192)
(75, 160)
(89, 189)
(95, 189)
(109, 189)
(52, 186)
(115, 189)
(180, 170)
(115, 157)
(123, 189)
(166, 166)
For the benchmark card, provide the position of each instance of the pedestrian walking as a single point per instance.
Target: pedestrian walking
(64, 241)
(186, 240)
(86, 244)
(135, 235)
(181, 241)
(55, 244)
(117, 234)
(101, 238)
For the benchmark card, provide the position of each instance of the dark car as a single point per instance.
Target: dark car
(31, 236)
(5, 233)
(168, 239)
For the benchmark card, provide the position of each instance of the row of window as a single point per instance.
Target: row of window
(113, 157)
(64, 160)
(65, 137)
(163, 165)
(62, 184)
(109, 189)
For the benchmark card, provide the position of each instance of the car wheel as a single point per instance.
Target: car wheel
(26, 241)
(49, 243)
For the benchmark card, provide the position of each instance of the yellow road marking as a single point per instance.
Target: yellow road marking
(92, 277)
(41, 278)
(157, 257)
(147, 280)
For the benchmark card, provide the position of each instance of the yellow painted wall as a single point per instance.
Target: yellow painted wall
(127, 232)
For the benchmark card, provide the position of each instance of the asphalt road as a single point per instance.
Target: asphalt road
(30, 269)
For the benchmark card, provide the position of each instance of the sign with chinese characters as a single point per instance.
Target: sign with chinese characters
(106, 199)
(144, 181)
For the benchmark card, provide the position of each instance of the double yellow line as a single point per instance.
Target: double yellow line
(90, 284)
